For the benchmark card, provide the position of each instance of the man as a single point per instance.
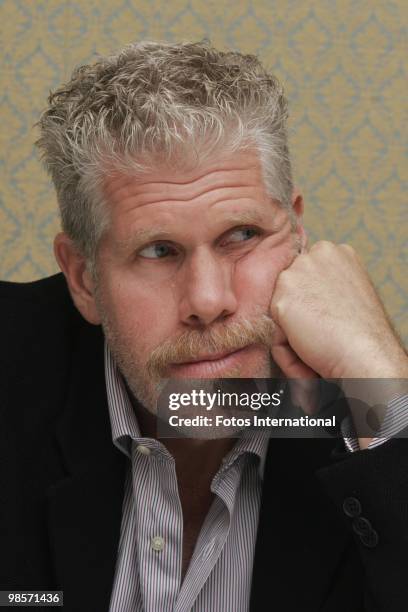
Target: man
(184, 256)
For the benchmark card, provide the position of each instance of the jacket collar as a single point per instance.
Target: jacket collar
(85, 508)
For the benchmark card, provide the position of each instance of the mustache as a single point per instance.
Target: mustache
(220, 338)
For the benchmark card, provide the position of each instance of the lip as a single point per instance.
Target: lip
(210, 357)
(208, 366)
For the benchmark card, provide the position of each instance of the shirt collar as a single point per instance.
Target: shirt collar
(125, 427)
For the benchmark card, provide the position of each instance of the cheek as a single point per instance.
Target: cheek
(141, 316)
(257, 273)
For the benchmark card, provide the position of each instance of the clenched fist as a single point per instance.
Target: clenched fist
(331, 321)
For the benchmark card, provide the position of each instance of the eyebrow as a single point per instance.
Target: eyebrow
(145, 235)
(142, 236)
(243, 217)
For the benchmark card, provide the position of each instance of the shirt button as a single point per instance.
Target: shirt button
(157, 543)
(143, 450)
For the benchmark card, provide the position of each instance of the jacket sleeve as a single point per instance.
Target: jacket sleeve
(370, 490)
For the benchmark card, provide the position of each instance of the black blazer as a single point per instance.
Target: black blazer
(62, 483)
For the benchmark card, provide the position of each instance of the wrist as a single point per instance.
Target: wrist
(374, 361)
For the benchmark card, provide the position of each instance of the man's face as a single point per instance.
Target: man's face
(187, 270)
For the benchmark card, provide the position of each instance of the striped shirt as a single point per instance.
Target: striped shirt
(149, 561)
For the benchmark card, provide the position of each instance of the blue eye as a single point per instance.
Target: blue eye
(243, 234)
(157, 251)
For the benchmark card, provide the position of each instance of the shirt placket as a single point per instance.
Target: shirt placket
(159, 525)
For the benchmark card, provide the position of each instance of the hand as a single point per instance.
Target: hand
(330, 320)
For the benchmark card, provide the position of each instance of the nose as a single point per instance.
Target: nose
(207, 291)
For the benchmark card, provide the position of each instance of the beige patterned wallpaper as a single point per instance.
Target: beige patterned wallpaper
(342, 63)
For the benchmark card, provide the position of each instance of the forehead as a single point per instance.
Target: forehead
(240, 170)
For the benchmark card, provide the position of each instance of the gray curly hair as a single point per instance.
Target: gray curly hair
(157, 103)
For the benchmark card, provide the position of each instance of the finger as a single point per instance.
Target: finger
(303, 381)
(305, 393)
(290, 363)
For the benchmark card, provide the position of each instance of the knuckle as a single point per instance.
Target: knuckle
(322, 245)
(347, 248)
(284, 277)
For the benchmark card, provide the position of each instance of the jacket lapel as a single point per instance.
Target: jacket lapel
(84, 509)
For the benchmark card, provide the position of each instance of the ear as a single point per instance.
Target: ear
(79, 281)
(298, 208)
